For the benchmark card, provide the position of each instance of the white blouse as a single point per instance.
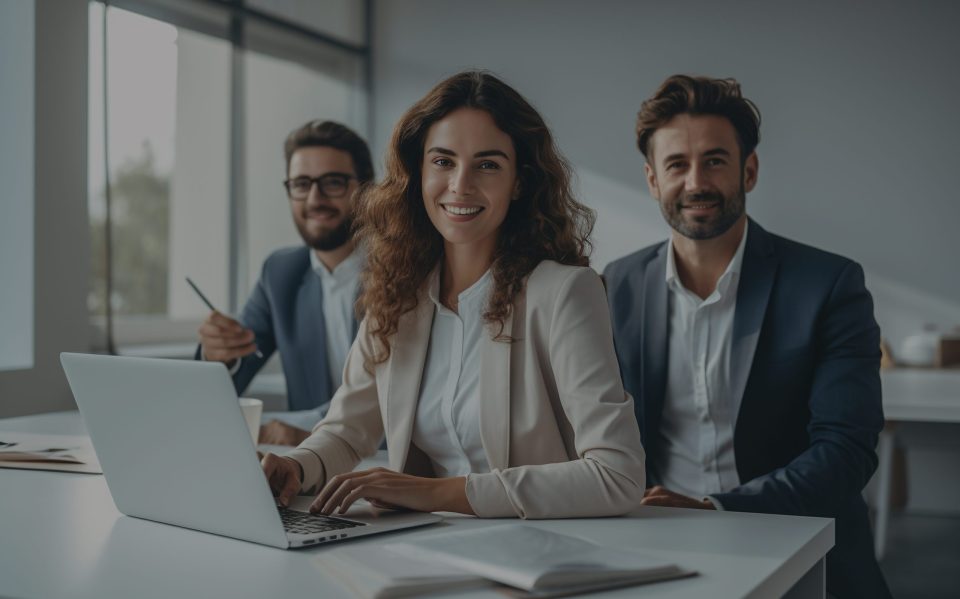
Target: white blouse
(447, 425)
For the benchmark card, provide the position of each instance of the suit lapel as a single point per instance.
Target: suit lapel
(407, 359)
(313, 344)
(753, 293)
(495, 388)
(654, 356)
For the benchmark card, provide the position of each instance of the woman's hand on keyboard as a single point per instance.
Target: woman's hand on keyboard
(284, 476)
(383, 487)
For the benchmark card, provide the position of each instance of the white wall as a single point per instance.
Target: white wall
(858, 105)
(61, 233)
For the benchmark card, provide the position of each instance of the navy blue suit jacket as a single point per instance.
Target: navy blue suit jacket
(806, 433)
(285, 312)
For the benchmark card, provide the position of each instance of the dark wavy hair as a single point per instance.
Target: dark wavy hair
(683, 94)
(546, 222)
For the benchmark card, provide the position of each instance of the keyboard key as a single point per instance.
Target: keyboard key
(304, 523)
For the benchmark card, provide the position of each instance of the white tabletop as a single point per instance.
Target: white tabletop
(63, 537)
(921, 395)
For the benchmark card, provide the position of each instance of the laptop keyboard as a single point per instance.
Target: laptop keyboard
(307, 524)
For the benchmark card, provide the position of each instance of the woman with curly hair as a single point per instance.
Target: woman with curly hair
(486, 356)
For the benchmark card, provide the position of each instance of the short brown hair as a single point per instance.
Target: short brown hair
(683, 94)
(334, 135)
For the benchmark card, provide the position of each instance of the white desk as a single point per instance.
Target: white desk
(918, 395)
(910, 395)
(63, 537)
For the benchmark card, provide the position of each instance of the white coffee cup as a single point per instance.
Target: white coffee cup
(252, 408)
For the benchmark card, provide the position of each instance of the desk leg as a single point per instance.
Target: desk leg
(885, 446)
(813, 584)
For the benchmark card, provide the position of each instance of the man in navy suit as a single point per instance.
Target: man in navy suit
(753, 359)
(303, 303)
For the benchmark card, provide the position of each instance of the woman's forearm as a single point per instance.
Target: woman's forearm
(452, 496)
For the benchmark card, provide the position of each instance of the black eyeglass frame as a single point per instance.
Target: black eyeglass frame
(319, 182)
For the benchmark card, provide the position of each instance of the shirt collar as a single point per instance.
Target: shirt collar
(733, 268)
(469, 296)
(349, 269)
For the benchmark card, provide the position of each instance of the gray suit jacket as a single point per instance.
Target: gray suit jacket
(285, 312)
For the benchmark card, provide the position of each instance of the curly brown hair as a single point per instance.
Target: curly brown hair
(403, 247)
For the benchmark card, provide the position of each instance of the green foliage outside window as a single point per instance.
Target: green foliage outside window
(141, 240)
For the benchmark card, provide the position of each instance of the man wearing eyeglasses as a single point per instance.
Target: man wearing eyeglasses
(303, 303)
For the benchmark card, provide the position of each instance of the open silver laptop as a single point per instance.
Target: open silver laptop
(175, 448)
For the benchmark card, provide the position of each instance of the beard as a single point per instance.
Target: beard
(729, 211)
(328, 239)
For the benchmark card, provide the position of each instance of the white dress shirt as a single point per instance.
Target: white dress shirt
(702, 398)
(447, 425)
(339, 296)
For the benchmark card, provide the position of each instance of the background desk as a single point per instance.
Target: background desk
(921, 397)
(63, 537)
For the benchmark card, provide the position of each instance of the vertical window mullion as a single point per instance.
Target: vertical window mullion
(237, 244)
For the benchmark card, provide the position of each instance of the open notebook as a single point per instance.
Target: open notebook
(531, 561)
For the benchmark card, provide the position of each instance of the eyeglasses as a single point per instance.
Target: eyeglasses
(331, 185)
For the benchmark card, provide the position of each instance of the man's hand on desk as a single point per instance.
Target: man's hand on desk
(388, 489)
(662, 497)
(283, 474)
(281, 433)
(223, 339)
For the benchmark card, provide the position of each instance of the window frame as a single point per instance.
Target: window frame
(229, 20)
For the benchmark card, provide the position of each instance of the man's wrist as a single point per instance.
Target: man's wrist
(714, 503)
(232, 366)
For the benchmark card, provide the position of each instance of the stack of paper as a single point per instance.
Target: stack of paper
(70, 453)
(532, 561)
(538, 561)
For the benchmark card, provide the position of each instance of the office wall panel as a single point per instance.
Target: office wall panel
(61, 238)
(16, 173)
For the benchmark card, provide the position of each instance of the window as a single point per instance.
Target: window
(281, 95)
(189, 128)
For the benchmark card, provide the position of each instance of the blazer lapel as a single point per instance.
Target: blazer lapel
(407, 359)
(495, 388)
(313, 342)
(354, 323)
(655, 350)
(753, 293)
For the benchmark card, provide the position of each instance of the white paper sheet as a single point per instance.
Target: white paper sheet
(65, 453)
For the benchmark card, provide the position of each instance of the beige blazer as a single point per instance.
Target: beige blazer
(558, 429)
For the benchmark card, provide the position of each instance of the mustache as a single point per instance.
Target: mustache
(320, 210)
(686, 199)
